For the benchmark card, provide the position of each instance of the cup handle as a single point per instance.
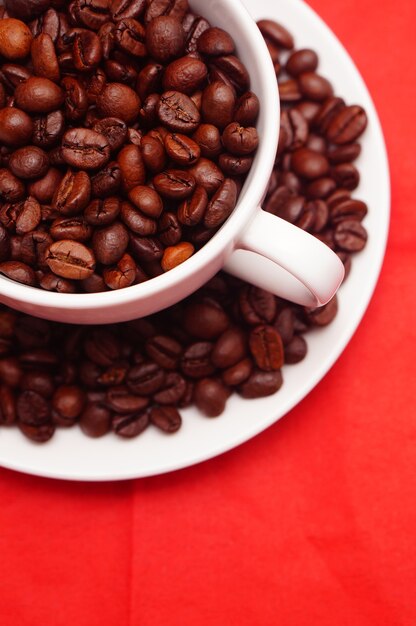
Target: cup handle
(280, 257)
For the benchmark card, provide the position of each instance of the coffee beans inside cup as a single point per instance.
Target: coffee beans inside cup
(126, 130)
(229, 337)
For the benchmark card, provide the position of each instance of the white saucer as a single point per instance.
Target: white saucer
(71, 455)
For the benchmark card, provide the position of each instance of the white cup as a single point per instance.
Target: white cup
(252, 244)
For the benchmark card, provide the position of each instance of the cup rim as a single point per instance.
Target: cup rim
(229, 231)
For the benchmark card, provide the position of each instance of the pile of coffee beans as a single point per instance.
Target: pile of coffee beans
(229, 336)
(127, 128)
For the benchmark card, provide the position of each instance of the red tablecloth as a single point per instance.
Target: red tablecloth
(311, 523)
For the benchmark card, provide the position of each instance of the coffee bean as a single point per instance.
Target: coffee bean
(44, 59)
(16, 127)
(207, 174)
(20, 272)
(350, 235)
(309, 164)
(75, 228)
(210, 396)
(191, 211)
(277, 33)
(344, 153)
(121, 9)
(130, 35)
(95, 420)
(208, 138)
(182, 149)
(110, 243)
(73, 193)
(39, 434)
(43, 189)
(175, 255)
(266, 348)
(11, 188)
(32, 408)
(347, 125)
(48, 130)
(205, 319)
(70, 259)
(185, 75)
(114, 129)
(131, 166)
(15, 39)
(289, 91)
(164, 350)
(322, 316)
(302, 61)
(247, 109)
(196, 360)
(174, 184)
(257, 306)
(239, 140)
(177, 111)
(38, 95)
(261, 384)
(67, 404)
(218, 104)
(221, 205)
(122, 275)
(166, 418)
(169, 229)
(85, 148)
(29, 162)
(172, 390)
(130, 425)
(145, 379)
(238, 373)
(229, 349)
(348, 209)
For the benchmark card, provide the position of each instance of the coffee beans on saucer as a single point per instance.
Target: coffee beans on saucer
(127, 129)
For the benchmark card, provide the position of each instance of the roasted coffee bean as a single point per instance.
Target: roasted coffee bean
(172, 390)
(296, 350)
(32, 408)
(247, 109)
(210, 396)
(350, 235)
(207, 174)
(215, 42)
(131, 166)
(322, 316)
(302, 61)
(44, 59)
(120, 101)
(145, 249)
(348, 209)
(73, 193)
(257, 306)
(44, 188)
(218, 104)
(191, 211)
(49, 22)
(175, 255)
(205, 319)
(153, 152)
(166, 418)
(347, 125)
(266, 348)
(238, 373)
(95, 420)
(165, 38)
(186, 75)
(29, 162)
(122, 275)
(182, 149)
(149, 79)
(110, 243)
(121, 9)
(11, 188)
(174, 184)
(314, 87)
(147, 200)
(102, 212)
(16, 127)
(145, 379)
(102, 347)
(177, 111)
(137, 221)
(114, 129)
(221, 205)
(39, 434)
(51, 282)
(289, 91)
(48, 130)
(20, 272)
(38, 95)
(85, 148)
(7, 405)
(309, 164)
(229, 349)
(261, 384)
(75, 228)
(15, 39)
(26, 10)
(239, 140)
(193, 26)
(67, 404)
(91, 14)
(130, 425)
(70, 259)
(344, 153)
(208, 138)
(196, 360)
(169, 229)
(233, 70)
(165, 351)
(320, 187)
(277, 33)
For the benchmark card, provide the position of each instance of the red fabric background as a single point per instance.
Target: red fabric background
(313, 522)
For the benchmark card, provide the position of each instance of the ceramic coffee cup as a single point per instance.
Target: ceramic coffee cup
(252, 244)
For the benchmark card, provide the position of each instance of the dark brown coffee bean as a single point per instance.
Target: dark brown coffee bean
(239, 140)
(229, 349)
(218, 104)
(121, 400)
(257, 306)
(75, 228)
(130, 35)
(323, 315)
(39, 434)
(28, 216)
(121, 9)
(174, 184)
(48, 130)
(102, 212)
(29, 162)
(266, 347)
(32, 408)
(20, 272)
(122, 275)
(205, 319)
(169, 229)
(130, 425)
(95, 420)
(73, 193)
(277, 33)
(137, 221)
(185, 75)
(148, 112)
(154, 155)
(350, 235)
(172, 390)
(215, 42)
(315, 87)
(110, 243)
(51, 282)
(131, 166)
(120, 101)
(210, 396)
(165, 351)
(85, 149)
(296, 350)
(107, 181)
(48, 23)
(192, 210)
(289, 91)
(193, 26)
(70, 259)
(196, 360)
(348, 209)
(91, 14)
(7, 405)
(261, 384)
(208, 137)
(10, 371)
(344, 153)
(233, 70)
(15, 39)
(145, 379)
(182, 149)
(12, 75)
(44, 59)
(309, 164)
(238, 373)
(38, 95)
(149, 79)
(301, 61)
(145, 249)
(347, 125)
(320, 187)
(221, 205)
(208, 175)
(147, 200)
(11, 188)
(346, 175)
(44, 188)
(166, 418)
(67, 404)
(247, 109)
(177, 111)
(114, 129)
(165, 37)
(16, 127)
